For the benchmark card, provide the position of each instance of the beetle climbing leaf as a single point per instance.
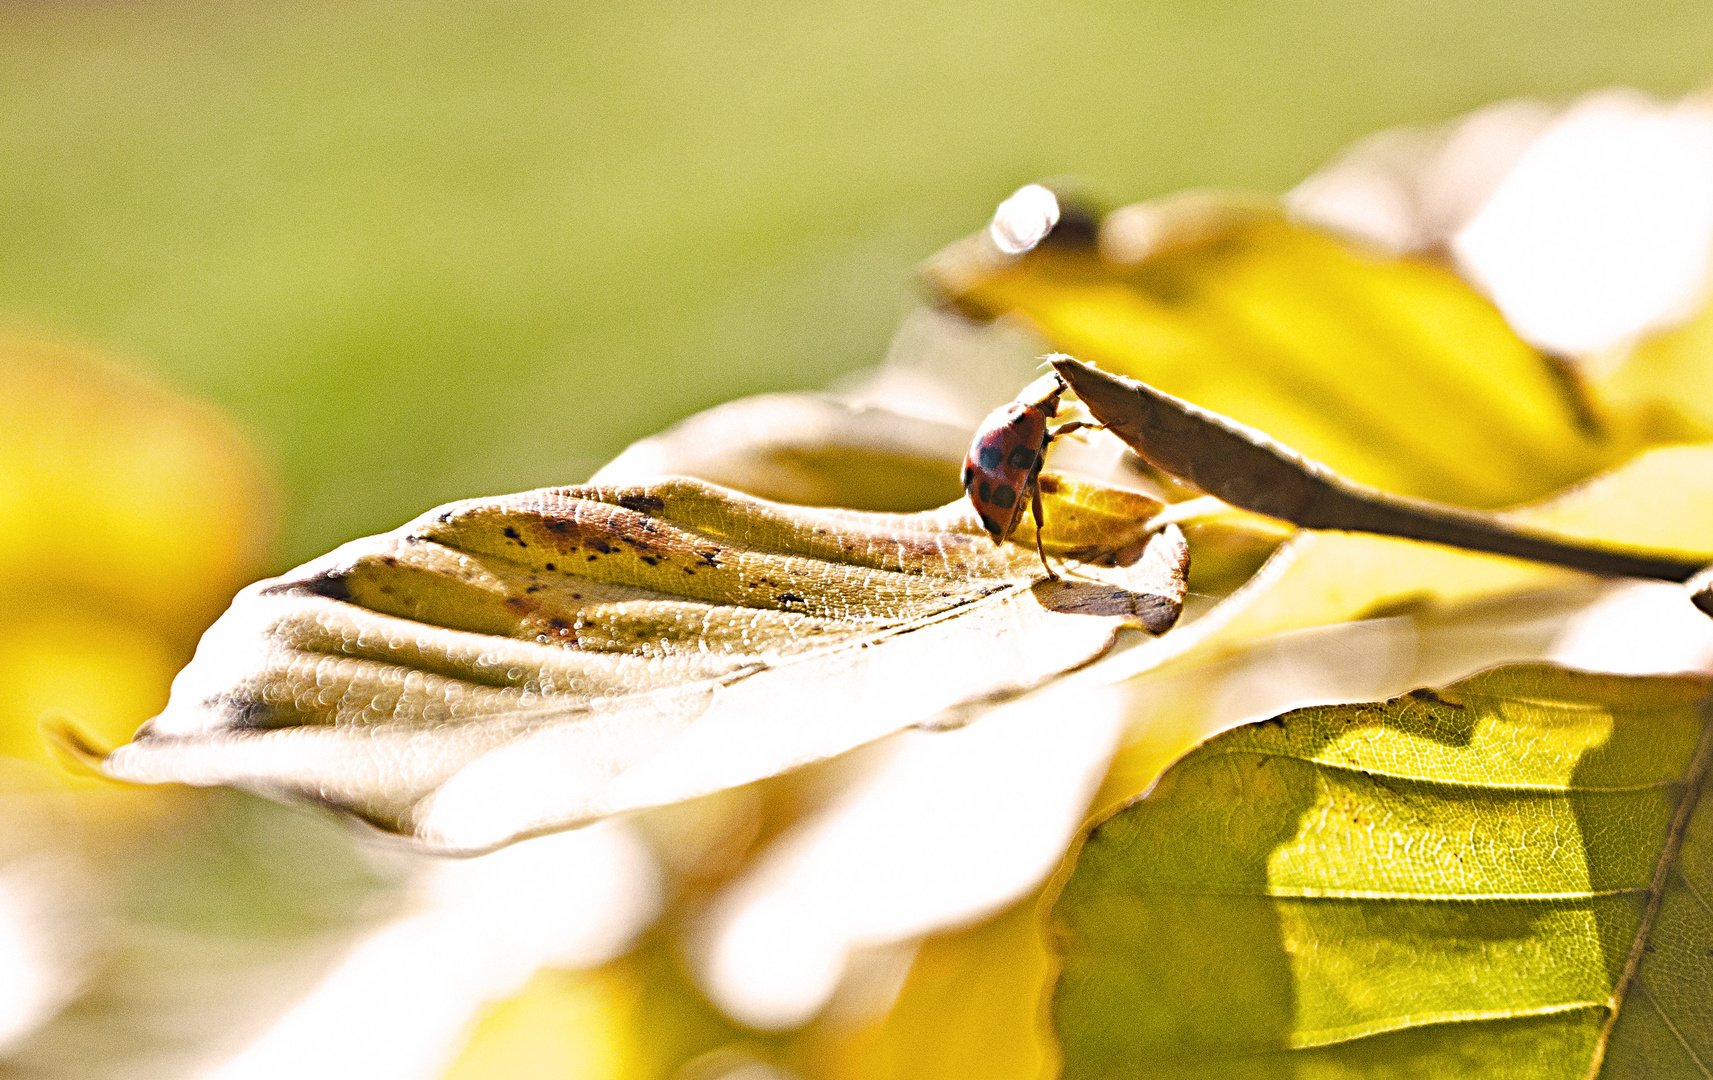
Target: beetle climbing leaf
(1507, 877)
(503, 667)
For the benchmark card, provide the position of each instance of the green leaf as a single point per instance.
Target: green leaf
(1510, 877)
(1390, 370)
(504, 667)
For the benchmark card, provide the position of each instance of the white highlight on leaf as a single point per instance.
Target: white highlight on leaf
(1638, 628)
(1587, 226)
(949, 828)
(400, 1004)
(1025, 219)
(36, 975)
(1603, 230)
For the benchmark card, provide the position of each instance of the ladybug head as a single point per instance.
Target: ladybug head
(1043, 394)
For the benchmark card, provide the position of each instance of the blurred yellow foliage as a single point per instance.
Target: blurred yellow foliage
(128, 517)
(970, 1009)
(564, 1025)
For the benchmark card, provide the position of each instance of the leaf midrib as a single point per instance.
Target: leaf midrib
(1472, 785)
(1694, 780)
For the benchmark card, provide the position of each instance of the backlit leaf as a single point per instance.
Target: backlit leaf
(1509, 877)
(509, 666)
(1390, 370)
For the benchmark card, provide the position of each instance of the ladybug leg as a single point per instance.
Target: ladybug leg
(1035, 508)
(1074, 425)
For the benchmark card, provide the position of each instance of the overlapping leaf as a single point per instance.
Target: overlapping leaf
(1390, 370)
(1510, 877)
(1362, 550)
(508, 666)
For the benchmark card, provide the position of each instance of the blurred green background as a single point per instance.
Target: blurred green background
(427, 251)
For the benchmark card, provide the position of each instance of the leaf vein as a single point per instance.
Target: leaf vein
(1671, 1027)
(1357, 770)
(1694, 779)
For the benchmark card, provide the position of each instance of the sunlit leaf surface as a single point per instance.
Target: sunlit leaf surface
(1390, 370)
(502, 667)
(807, 449)
(1509, 877)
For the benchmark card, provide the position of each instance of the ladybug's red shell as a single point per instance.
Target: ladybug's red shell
(1005, 457)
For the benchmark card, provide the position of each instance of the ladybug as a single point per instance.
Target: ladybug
(1002, 470)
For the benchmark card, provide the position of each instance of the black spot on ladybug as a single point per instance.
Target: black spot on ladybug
(985, 492)
(990, 456)
(643, 504)
(989, 524)
(1003, 497)
(969, 477)
(550, 566)
(1021, 457)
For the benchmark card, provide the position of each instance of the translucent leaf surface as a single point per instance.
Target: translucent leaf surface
(1390, 370)
(1509, 877)
(1659, 503)
(502, 667)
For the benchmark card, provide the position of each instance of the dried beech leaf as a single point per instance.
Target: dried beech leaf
(808, 449)
(1248, 469)
(504, 667)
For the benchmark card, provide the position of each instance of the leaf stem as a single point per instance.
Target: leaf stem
(1249, 469)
